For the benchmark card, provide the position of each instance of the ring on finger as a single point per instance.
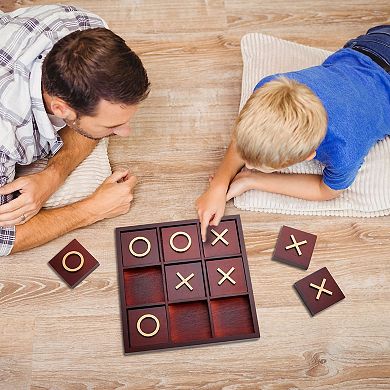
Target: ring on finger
(22, 218)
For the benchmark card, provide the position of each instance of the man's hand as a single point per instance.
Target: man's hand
(211, 207)
(113, 197)
(34, 190)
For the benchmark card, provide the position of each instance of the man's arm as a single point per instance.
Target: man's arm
(309, 187)
(37, 188)
(75, 149)
(211, 205)
(112, 198)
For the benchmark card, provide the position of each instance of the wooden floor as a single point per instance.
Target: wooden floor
(57, 338)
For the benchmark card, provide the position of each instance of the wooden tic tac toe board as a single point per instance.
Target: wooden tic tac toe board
(177, 291)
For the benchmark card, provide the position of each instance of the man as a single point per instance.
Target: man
(66, 81)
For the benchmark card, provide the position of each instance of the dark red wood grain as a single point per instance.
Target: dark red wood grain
(208, 313)
(143, 286)
(189, 322)
(291, 256)
(73, 278)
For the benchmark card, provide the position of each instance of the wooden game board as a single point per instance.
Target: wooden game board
(177, 291)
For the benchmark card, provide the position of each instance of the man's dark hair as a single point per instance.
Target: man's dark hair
(86, 66)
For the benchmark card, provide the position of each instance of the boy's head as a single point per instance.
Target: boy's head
(94, 81)
(281, 124)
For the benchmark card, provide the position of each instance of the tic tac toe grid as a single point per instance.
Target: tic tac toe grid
(177, 291)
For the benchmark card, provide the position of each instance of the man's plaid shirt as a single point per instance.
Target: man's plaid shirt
(26, 132)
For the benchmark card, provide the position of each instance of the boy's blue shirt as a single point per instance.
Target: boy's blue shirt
(355, 92)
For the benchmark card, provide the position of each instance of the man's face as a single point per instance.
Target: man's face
(110, 119)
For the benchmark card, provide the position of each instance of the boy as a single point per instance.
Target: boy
(334, 112)
(66, 81)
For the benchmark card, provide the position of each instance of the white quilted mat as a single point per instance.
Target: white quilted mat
(369, 195)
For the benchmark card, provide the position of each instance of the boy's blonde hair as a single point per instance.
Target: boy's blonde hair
(281, 124)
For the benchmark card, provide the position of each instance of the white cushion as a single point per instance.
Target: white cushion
(369, 195)
(82, 182)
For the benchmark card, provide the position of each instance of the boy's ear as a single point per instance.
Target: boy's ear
(311, 156)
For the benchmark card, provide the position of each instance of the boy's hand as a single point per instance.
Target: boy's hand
(211, 207)
(242, 182)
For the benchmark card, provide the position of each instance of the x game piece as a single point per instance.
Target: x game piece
(294, 247)
(73, 263)
(319, 291)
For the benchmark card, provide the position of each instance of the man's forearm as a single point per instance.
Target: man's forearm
(74, 150)
(50, 224)
(229, 167)
(309, 187)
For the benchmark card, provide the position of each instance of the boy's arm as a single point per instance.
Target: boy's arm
(109, 200)
(37, 188)
(211, 205)
(309, 187)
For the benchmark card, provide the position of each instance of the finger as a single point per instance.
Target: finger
(22, 221)
(217, 218)
(13, 205)
(17, 221)
(14, 215)
(204, 225)
(229, 195)
(11, 187)
(131, 182)
(116, 176)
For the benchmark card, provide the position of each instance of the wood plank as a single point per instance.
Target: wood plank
(54, 337)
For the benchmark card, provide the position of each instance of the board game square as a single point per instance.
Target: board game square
(140, 247)
(143, 286)
(73, 263)
(226, 276)
(180, 243)
(231, 316)
(189, 322)
(294, 247)
(222, 240)
(185, 281)
(147, 327)
(319, 290)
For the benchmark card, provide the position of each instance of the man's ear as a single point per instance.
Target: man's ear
(61, 109)
(311, 156)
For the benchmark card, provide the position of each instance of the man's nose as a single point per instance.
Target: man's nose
(122, 131)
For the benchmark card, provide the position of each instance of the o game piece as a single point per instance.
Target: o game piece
(73, 263)
(76, 268)
(319, 290)
(180, 243)
(147, 250)
(154, 318)
(294, 247)
(147, 327)
(175, 248)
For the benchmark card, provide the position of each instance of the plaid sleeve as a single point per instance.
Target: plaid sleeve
(7, 234)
